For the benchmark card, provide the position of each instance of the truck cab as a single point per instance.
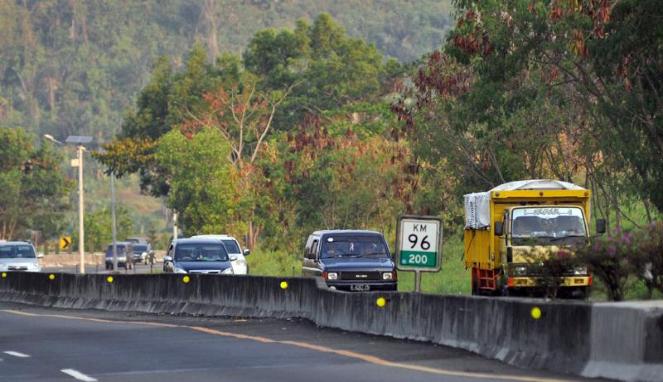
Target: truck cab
(511, 229)
(529, 232)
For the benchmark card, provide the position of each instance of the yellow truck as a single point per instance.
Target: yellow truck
(506, 227)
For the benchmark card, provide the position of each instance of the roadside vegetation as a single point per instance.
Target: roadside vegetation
(312, 127)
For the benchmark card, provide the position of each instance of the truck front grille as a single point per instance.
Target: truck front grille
(360, 276)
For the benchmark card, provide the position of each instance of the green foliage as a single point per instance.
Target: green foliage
(326, 68)
(75, 66)
(99, 231)
(201, 179)
(33, 186)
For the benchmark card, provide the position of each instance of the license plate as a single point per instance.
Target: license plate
(360, 287)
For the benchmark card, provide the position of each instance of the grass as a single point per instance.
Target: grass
(274, 263)
(453, 278)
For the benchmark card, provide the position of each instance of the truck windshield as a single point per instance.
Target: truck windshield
(354, 246)
(547, 225)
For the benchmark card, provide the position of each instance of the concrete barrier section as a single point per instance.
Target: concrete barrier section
(615, 340)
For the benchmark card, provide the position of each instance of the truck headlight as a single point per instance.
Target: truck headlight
(388, 276)
(580, 270)
(227, 271)
(519, 270)
(332, 276)
(178, 270)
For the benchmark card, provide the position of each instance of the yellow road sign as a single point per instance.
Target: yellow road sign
(65, 242)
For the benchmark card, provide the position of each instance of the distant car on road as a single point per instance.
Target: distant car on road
(137, 240)
(191, 255)
(141, 252)
(235, 252)
(354, 260)
(18, 256)
(124, 254)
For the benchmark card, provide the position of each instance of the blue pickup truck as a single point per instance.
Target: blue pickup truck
(353, 260)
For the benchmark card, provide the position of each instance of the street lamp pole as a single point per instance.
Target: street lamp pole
(113, 218)
(81, 207)
(174, 226)
(79, 141)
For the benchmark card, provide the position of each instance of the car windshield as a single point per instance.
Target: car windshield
(354, 246)
(17, 252)
(231, 246)
(201, 252)
(140, 248)
(545, 225)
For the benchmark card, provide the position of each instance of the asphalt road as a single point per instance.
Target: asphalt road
(39, 344)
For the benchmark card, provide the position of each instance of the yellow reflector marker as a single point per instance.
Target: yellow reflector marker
(4, 275)
(51, 277)
(536, 313)
(109, 279)
(186, 279)
(284, 285)
(381, 302)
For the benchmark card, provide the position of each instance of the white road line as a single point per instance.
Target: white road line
(16, 354)
(78, 375)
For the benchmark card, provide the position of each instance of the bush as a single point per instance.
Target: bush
(610, 259)
(648, 258)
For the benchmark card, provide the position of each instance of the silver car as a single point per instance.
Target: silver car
(235, 252)
(18, 256)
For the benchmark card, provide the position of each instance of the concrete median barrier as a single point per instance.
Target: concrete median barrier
(614, 340)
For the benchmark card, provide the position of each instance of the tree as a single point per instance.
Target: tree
(33, 184)
(201, 179)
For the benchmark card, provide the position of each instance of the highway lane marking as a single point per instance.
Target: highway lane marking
(16, 354)
(318, 348)
(78, 375)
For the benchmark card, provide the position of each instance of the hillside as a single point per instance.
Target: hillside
(74, 67)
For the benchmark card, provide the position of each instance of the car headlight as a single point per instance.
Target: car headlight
(332, 276)
(179, 270)
(580, 270)
(388, 276)
(227, 271)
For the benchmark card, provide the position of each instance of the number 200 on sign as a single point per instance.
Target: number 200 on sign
(417, 259)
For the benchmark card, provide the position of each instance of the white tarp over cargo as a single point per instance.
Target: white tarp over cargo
(477, 205)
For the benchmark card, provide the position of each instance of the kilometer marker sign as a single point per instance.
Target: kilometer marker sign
(419, 243)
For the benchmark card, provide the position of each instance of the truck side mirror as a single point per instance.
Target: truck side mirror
(499, 228)
(167, 259)
(600, 226)
(246, 252)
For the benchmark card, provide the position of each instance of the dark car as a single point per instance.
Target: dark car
(124, 253)
(141, 252)
(350, 260)
(192, 255)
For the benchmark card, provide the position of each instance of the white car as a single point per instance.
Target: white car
(18, 256)
(237, 256)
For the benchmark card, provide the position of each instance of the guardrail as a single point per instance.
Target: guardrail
(614, 340)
